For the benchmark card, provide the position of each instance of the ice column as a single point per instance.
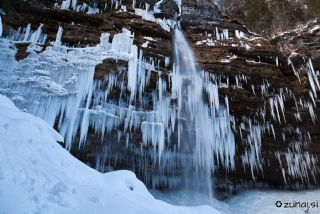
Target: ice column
(58, 38)
(27, 33)
(36, 35)
(0, 27)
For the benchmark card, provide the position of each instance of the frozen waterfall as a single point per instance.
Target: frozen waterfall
(183, 137)
(172, 131)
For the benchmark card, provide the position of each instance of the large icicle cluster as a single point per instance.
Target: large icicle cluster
(166, 24)
(73, 4)
(27, 35)
(57, 85)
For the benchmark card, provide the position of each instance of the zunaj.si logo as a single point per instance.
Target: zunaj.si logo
(305, 205)
(278, 204)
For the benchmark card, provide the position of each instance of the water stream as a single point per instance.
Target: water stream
(203, 128)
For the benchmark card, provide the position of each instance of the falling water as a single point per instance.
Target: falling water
(203, 128)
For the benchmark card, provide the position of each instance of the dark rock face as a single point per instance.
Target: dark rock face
(246, 64)
(21, 53)
(195, 12)
(168, 9)
(304, 42)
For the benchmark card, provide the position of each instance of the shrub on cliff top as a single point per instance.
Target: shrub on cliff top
(8, 6)
(314, 8)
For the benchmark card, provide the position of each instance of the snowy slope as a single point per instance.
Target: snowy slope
(38, 176)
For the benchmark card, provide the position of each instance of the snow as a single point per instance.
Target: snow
(300, 29)
(145, 45)
(209, 42)
(248, 202)
(149, 38)
(43, 177)
(264, 201)
(314, 28)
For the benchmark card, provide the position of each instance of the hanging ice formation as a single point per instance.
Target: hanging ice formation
(0, 27)
(68, 4)
(180, 130)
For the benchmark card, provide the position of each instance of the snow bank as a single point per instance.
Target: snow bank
(38, 176)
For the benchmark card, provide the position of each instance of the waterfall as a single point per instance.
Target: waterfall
(204, 128)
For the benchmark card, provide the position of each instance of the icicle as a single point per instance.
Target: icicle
(132, 71)
(36, 35)
(147, 7)
(227, 105)
(26, 37)
(226, 33)
(217, 34)
(104, 42)
(127, 140)
(294, 70)
(167, 61)
(312, 114)
(74, 4)
(0, 26)
(58, 38)
(252, 86)
(239, 34)
(65, 5)
(313, 79)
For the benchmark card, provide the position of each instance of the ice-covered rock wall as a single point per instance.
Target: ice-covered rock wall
(57, 85)
(129, 102)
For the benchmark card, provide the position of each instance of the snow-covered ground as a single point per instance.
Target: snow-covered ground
(38, 176)
(250, 201)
